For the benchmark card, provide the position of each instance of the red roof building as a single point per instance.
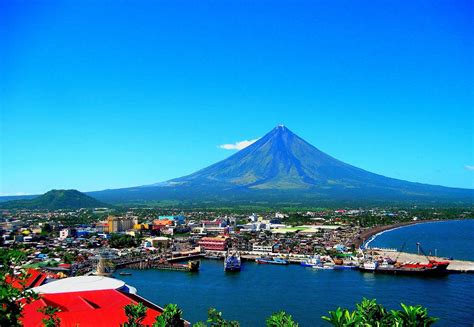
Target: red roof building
(88, 308)
(218, 243)
(33, 278)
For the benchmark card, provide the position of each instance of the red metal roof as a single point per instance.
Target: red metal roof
(88, 308)
(34, 278)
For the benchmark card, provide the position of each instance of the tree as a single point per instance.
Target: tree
(215, 319)
(51, 320)
(412, 316)
(370, 313)
(122, 241)
(10, 305)
(281, 319)
(135, 314)
(171, 317)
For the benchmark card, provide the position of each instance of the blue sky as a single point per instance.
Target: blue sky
(108, 94)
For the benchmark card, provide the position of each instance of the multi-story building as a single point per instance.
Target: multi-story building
(120, 224)
(262, 248)
(218, 243)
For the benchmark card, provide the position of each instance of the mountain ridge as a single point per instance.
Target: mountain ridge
(54, 200)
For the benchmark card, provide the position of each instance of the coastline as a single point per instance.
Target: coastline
(366, 235)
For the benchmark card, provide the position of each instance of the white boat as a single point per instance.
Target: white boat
(324, 266)
(311, 262)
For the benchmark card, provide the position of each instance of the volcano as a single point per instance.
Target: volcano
(283, 169)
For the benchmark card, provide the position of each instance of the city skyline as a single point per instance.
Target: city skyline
(90, 102)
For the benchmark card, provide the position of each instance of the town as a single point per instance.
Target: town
(70, 242)
(72, 255)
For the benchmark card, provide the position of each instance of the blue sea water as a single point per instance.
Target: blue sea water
(451, 238)
(259, 290)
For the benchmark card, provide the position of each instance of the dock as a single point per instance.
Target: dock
(160, 263)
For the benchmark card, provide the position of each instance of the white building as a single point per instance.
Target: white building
(64, 233)
(262, 248)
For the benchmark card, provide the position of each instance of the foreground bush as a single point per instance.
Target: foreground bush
(370, 313)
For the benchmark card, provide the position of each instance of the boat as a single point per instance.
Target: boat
(432, 268)
(323, 267)
(389, 266)
(232, 262)
(313, 261)
(123, 273)
(190, 266)
(345, 267)
(273, 261)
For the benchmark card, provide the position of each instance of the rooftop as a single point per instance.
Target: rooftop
(79, 284)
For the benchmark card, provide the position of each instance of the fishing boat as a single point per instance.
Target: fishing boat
(123, 273)
(272, 261)
(232, 262)
(323, 266)
(345, 267)
(313, 261)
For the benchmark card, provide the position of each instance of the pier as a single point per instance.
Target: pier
(160, 262)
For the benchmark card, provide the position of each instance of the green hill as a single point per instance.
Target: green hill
(56, 199)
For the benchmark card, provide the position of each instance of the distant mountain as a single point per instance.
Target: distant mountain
(55, 199)
(283, 169)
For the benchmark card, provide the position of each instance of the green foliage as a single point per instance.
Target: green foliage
(51, 320)
(215, 319)
(412, 316)
(171, 317)
(10, 306)
(135, 314)
(281, 319)
(119, 241)
(369, 313)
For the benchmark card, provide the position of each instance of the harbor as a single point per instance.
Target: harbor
(455, 266)
(258, 290)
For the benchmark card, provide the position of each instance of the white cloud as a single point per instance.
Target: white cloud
(469, 167)
(237, 145)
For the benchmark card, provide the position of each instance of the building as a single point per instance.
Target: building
(102, 227)
(160, 223)
(88, 301)
(157, 242)
(215, 226)
(219, 243)
(64, 233)
(262, 248)
(178, 220)
(120, 224)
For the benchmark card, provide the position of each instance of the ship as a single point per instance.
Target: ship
(389, 266)
(232, 262)
(273, 261)
(432, 268)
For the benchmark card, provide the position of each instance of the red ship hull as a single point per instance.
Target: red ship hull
(433, 268)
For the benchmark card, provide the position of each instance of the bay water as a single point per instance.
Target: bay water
(253, 294)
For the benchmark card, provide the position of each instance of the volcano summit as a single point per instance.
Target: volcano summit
(283, 169)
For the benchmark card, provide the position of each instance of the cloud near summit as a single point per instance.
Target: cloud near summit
(237, 145)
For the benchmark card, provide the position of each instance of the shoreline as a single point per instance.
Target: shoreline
(366, 235)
